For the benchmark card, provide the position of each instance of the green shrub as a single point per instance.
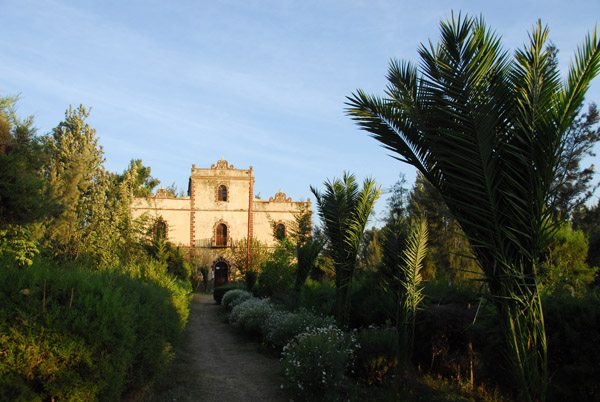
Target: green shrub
(70, 334)
(251, 315)
(278, 274)
(444, 292)
(318, 297)
(314, 363)
(564, 269)
(377, 358)
(371, 304)
(282, 326)
(250, 277)
(219, 292)
(234, 297)
(176, 263)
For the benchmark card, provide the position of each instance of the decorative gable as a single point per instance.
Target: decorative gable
(280, 197)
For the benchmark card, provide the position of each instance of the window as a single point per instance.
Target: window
(280, 231)
(159, 230)
(221, 238)
(222, 193)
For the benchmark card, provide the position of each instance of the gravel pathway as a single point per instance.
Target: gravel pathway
(215, 363)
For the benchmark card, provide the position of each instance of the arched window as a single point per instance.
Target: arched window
(159, 230)
(280, 231)
(221, 238)
(222, 193)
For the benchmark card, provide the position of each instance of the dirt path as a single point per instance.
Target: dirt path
(215, 363)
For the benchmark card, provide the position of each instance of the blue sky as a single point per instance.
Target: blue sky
(261, 83)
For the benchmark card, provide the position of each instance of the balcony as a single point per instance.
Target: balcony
(219, 242)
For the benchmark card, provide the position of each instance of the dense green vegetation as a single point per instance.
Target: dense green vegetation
(90, 304)
(71, 334)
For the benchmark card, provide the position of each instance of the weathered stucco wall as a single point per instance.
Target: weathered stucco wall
(174, 211)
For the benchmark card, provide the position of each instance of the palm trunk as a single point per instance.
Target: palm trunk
(522, 320)
(343, 293)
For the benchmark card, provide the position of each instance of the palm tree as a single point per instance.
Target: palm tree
(487, 131)
(403, 262)
(345, 209)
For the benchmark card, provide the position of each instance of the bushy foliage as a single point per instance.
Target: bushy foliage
(564, 269)
(25, 194)
(234, 297)
(250, 278)
(69, 334)
(17, 245)
(278, 272)
(259, 253)
(377, 357)
(318, 296)
(371, 304)
(220, 291)
(167, 253)
(314, 363)
(251, 315)
(282, 326)
(153, 272)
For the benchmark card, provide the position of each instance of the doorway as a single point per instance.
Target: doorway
(221, 273)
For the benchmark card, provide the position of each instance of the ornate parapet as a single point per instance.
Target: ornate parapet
(280, 197)
(222, 164)
(163, 193)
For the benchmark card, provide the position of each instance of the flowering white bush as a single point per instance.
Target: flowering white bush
(251, 314)
(234, 297)
(283, 326)
(314, 362)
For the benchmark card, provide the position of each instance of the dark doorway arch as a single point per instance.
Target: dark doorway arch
(221, 270)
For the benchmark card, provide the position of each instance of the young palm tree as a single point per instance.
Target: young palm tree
(345, 209)
(403, 264)
(487, 131)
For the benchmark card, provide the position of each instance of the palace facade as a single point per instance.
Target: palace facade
(220, 209)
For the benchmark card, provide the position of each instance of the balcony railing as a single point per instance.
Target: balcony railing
(220, 242)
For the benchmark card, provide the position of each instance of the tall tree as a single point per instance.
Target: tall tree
(142, 182)
(394, 234)
(369, 254)
(587, 219)
(488, 132)
(24, 194)
(344, 210)
(575, 182)
(399, 199)
(126, 231)
(77, 175)
(449, 256)
(25, 197)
